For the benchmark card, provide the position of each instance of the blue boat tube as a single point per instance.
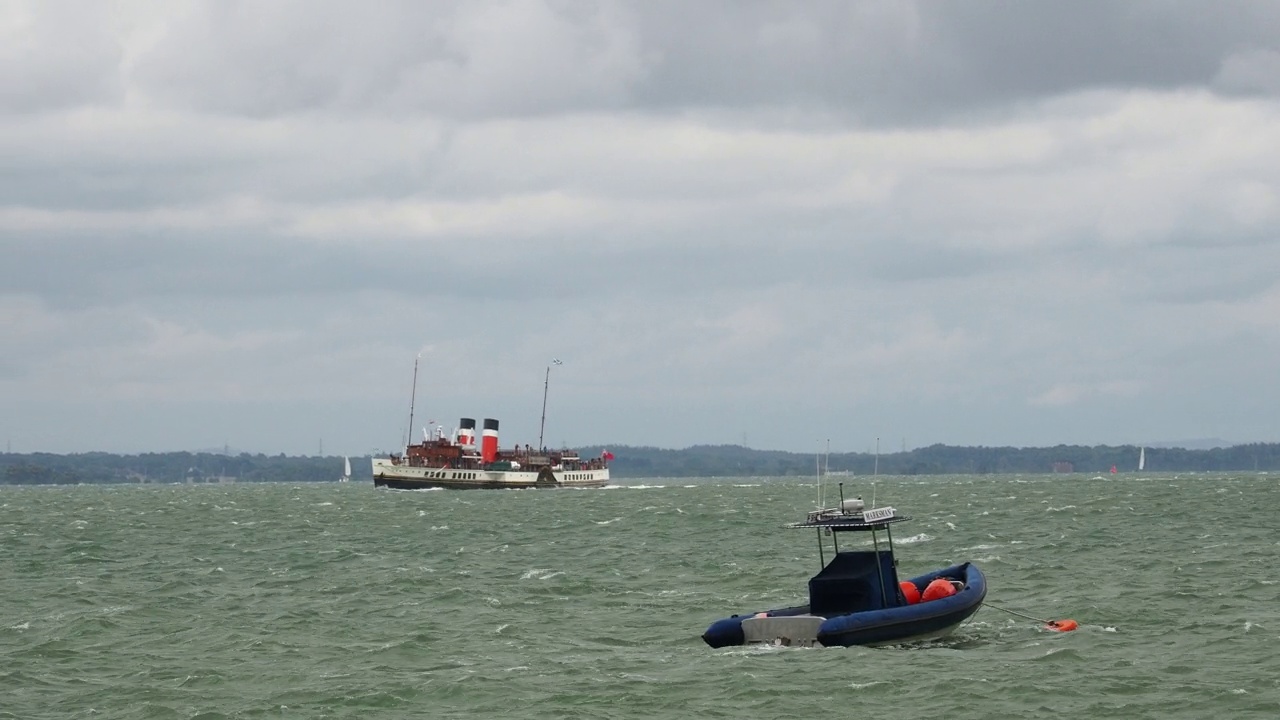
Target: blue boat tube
(886, 625)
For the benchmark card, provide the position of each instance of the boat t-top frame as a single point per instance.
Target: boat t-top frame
(853, 516)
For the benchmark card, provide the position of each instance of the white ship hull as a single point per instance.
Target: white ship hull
(407, 477)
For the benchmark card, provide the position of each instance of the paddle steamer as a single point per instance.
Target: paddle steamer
(457, 463)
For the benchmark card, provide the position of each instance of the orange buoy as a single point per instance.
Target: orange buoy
(909, 591)
(1062, 625)
(937, 590)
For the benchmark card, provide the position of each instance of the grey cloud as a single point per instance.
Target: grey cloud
(82, 271)
(923, 62)
(56, 56)
(459, 59)
(1251, 71)
(877, 63)
(240, 222)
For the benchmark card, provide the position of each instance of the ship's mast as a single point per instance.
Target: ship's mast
(546, 383)
(413, 394)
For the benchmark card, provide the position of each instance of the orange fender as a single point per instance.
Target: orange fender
(909, 591)
(937, 590)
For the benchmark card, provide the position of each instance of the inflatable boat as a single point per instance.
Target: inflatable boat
(857, 599)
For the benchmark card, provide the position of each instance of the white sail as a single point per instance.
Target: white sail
(346, 469)
(1142, 458)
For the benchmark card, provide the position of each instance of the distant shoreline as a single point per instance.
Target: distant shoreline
(650, 462)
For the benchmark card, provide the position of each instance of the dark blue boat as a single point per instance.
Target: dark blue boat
(857, 598)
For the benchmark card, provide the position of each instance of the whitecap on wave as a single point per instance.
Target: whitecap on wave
(864, 686)
(540, 574)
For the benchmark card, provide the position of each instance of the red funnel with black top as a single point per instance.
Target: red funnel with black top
(489, 441)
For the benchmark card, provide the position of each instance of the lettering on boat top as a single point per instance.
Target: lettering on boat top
(878, 514)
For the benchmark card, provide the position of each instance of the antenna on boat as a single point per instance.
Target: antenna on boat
(413, 394)
(546, 384)
(875, 471)
(817, 461)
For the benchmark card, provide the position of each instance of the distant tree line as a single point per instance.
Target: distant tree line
(735, 460)
(172, 467)
(645, 462)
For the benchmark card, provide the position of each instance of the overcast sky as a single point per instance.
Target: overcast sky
(761, 223)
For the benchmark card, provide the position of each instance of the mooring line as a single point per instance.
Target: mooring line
(1059, 625)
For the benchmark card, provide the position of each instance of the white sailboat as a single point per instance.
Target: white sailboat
(1142, 458)
(346, 469)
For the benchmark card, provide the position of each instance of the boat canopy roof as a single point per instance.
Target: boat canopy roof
(838, 520)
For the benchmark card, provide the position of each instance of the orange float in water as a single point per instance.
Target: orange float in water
(1063, 625)
(910, 592)
(937, 590)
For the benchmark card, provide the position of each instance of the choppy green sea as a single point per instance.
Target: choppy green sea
(335, 600)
